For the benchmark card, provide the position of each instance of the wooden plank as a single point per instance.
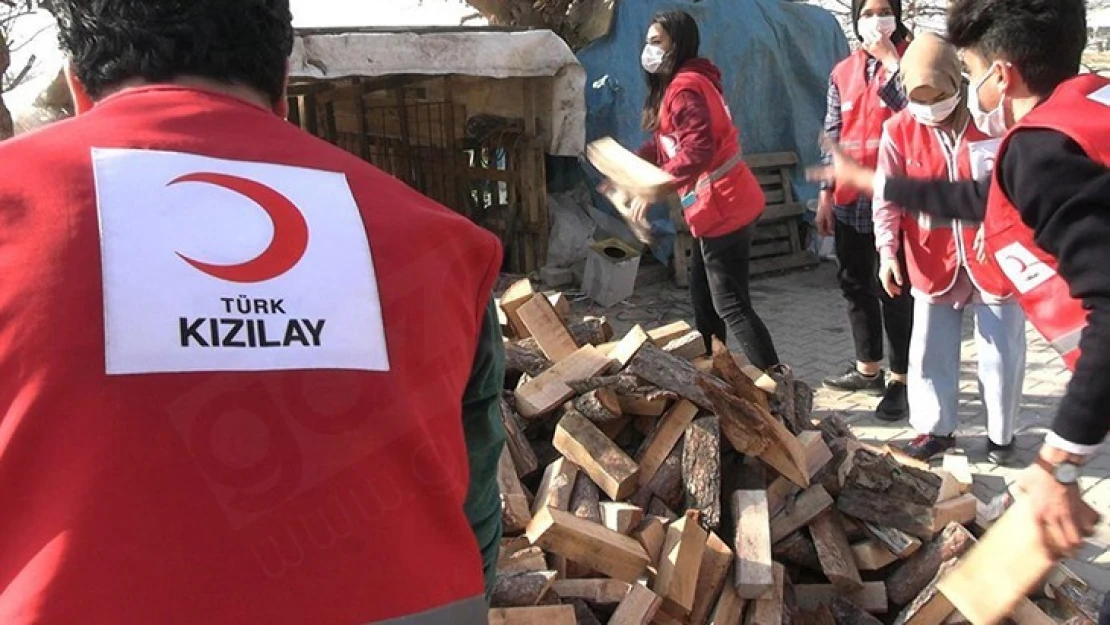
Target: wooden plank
(712, 576)
(834, 552)
(930, 607)
(651, 534)
(817, 453)
(589, 544)
(949, 487)
(654, 451)
(629, 345)
(524, 458)
(544, 324)
(959, 510)
(515, 513)
(518, 294)
(543, 615)
(585, 445)
(689, 346)
(960, 468)
(769, 609)
(626, 170)
(898, 542)
(996, 574)
(913, 576)
(809, 505)
(701, 470)
(665, 334)
(871, 555)
(549, 390)
(679, 562)
(556, 486)
(754, 574)
(516, 590)
(602, 592)
(730, 607)
(638, 607)
(621, 517)
(871, 598)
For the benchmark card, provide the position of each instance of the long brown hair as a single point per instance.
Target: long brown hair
(685, 42)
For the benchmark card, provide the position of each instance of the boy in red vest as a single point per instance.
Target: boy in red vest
(1044, 212)
(935, 137)
(245, 377)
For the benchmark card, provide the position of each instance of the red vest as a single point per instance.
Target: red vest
(862, 114)
(934, 253)
(259, 495)
(1079, 110)
(725, 198)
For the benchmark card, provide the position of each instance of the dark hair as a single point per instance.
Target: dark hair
(232, 41)
(1043, 39)
(685, 42)
(900, 35)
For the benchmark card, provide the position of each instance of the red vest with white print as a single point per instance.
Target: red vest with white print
(231, 375)
(936, 249)
(735, 199)
(862, 114)
(1079, 109)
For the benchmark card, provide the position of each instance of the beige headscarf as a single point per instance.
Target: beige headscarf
(931, 61)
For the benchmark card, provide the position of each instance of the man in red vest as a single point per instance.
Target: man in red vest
(1044, 212)
(245, 377)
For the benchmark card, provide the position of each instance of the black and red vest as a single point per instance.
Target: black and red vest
(862, 114)
(243, 465)
(1079, 109)
(936, 249)
(727, 196)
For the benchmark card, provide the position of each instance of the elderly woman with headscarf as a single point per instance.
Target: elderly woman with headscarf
(934, 138)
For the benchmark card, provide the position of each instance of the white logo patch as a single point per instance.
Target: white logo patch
(1102, 96)
(1025, 270)
(217, 265)
(983, 155)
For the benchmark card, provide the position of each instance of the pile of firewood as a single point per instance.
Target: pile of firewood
(645, 481)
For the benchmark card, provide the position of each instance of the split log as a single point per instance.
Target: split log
(781, 493)
(658, 446)
(817, 453)
(651, 533)
(639, 607)
(529, 560)
(752, 543)
(589, 331)
(730, 607)
(585, 445)
(585, 499)
(600, 406)
(518, 294)
(599, 592)
(518, 590)
(557, 486)
(797, 549)
(725, 366)
(959, 510)
(621, 383)
(898, 542)
(829, 476)
(663, 335)
(712, 577)
(645, 404)
(621, 517)
(515, 511)
(822, 615)
(809, 505)
(803, 402)
(768, 609)
(835, 553)
(689, 346)
(871, 555)
(545, 326)
(845, 612)
(881, 473)
(931, 607)
(657, 367)
(624, 350)
(834, 426)
(677, 578)
(666, 485)
(914, 574)
(583, 614)
(872, 506)
(871, 599)
(754, 432)
(519, 360)
(524, 459)
(785, 394)
(701, 470)
(960, 469)
(545, 615)
(547, 392)
(589, 544)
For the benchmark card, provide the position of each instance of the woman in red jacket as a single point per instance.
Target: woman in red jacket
(696, 142)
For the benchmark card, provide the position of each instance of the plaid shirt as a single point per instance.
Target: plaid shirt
(858, 215)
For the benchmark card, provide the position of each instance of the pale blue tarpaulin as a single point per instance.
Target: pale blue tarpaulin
(775, 57)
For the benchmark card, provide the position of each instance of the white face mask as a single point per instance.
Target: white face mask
(876, 28)
(652, 58)
(993, 123)
(936, 113)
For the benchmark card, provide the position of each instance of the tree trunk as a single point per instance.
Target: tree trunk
(7, 130)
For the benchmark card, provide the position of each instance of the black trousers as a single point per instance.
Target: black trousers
(720, 296)
(1104, 613)
(870, 309)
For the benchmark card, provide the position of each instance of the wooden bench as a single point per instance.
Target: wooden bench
(779, 244)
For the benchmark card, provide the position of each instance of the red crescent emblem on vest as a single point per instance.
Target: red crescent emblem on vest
(289, 242)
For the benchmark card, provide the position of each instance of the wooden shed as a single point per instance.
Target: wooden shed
(463, 115)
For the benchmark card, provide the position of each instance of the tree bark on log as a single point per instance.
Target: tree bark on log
(600, 406)
(914, 575)
(666, 484)
(783, 405)
(873, 506)
(725, 366)
(930, 605)
(847, 613)
(701, 470)
(803, 403)
(519, 360)
(834, 426)
(834, 552)
(519, 448)
(799, 550)
(669, 373)
(521, 590)
(881, 473)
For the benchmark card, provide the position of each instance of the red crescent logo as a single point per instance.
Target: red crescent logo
(287, 246)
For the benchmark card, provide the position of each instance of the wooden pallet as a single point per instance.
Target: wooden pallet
(779, 243)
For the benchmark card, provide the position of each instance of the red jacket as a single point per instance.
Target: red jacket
(863, 113)
(934, 254)
(1079, 109)
(231, 375)
(698, 143)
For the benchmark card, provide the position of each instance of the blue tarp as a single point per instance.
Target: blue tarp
(775, 55)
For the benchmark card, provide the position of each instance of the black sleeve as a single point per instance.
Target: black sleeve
(966, 200)
(1064, 196)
